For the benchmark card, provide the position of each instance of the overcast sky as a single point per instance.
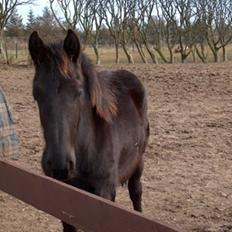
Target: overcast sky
(37, 9)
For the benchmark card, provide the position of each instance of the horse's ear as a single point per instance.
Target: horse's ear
(37, 48)
(72, 45)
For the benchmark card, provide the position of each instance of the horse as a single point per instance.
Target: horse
(95, 124)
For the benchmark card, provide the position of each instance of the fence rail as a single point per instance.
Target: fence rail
(76, 207)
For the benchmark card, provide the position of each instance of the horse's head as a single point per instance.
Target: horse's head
(57, 88)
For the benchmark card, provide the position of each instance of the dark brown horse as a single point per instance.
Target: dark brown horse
(95, 124)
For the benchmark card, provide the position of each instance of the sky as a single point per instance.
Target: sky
(37, 9)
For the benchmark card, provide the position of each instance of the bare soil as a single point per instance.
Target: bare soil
(187, 179)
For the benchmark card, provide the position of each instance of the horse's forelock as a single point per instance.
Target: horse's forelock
(60, 59)
(63, 66)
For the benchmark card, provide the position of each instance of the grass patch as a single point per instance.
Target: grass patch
(107, 56)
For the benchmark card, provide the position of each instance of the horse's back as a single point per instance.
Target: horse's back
(135, 88)
(126, 84)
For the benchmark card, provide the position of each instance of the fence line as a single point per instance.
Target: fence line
(76, 207)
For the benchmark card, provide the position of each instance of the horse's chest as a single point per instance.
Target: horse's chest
(98, 166)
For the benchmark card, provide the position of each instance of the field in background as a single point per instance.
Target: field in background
(107, 55)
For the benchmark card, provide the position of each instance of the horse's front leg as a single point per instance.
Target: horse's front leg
(135, 187)
(68, 228)
(78, 184)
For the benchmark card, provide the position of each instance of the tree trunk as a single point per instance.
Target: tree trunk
(128, 55)
(151, 53)
(194, 55)
(141, 53)
(116, 53)
(215, 55)
(184, 55)
(213, 49)
(3, 47)
(171, 57)
(95, 48)
(16, 50)
(201, 53)
(224, 54)
(7, 57)
(158, 50)
(149, 50)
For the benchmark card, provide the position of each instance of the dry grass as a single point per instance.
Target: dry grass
(107, 56)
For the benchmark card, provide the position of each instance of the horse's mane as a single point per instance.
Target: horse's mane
(100, 90)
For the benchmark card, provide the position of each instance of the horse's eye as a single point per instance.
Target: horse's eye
(77, 93)
(38, 95)
(58, 89)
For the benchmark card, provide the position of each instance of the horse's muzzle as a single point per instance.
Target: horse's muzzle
(60, 174)
(60, 171)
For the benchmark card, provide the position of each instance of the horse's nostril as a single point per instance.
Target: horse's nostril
(70, 165)
(49, 163)
(60, 169)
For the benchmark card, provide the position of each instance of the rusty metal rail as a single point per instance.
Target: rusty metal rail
(76, 207)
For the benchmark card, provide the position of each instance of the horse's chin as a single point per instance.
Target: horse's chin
(61, 175)
(70, 179)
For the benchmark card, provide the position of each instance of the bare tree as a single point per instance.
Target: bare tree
(97, 13)
(161, 33)
(166, 12)
(200, 42)
(69, 18)
(180, 14)
(14, 26)
(183, 26)
(7, 8)
(216, 16)
(137, 40)
(117, 18)
(113, 24)
(76, 15)
(143, 22)
(83, 15)
(47, 26)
